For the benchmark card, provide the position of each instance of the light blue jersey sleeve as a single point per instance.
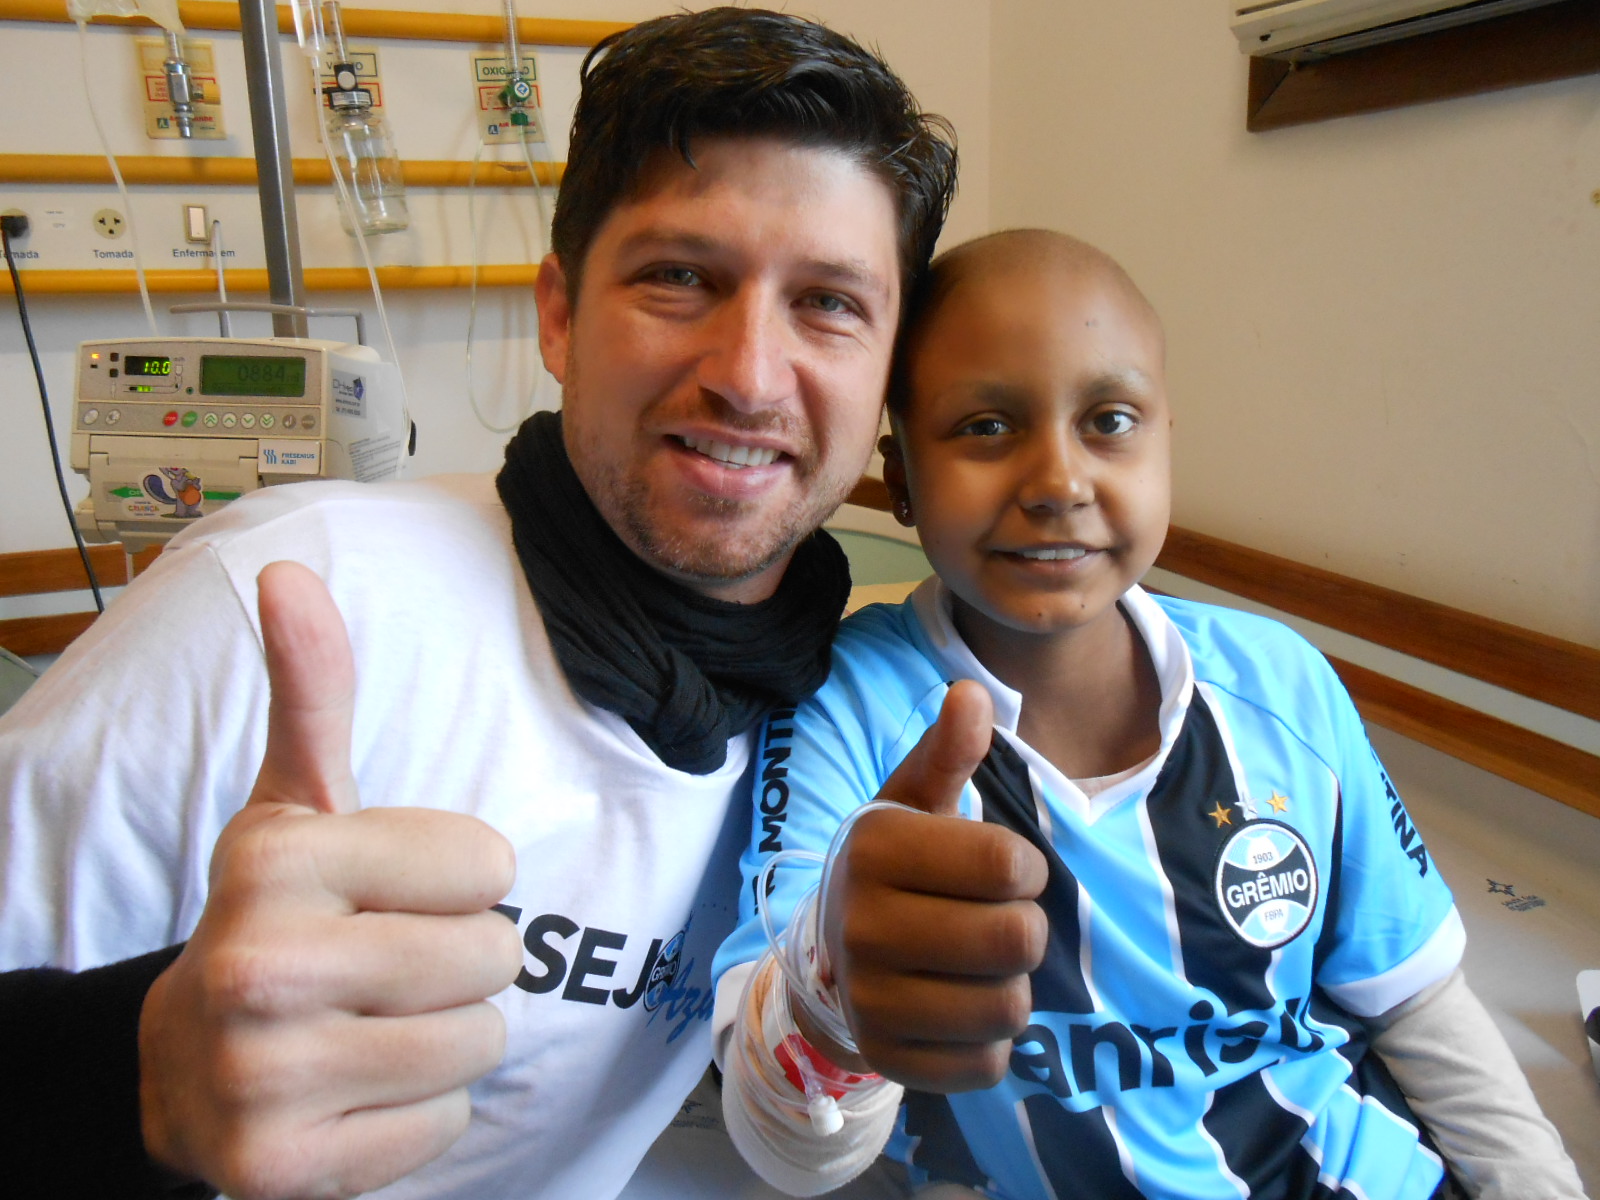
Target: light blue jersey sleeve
(1391, 926)
(1395, 929)
(817, 763)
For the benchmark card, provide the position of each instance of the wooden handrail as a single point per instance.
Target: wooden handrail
(1549, 669)
(35, 572)
(28, 636)
(221, 171)
(1538, 763)
(358, 23)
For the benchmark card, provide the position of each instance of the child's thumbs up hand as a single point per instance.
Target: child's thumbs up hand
(932, 928)
(318, 1032)
(931, 777)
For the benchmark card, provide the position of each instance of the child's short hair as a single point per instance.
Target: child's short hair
(1005, 250)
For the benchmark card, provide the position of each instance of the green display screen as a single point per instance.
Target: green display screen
(138, 364)
(251, 375)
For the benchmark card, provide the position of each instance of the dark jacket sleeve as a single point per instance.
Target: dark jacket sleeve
(69, 1084)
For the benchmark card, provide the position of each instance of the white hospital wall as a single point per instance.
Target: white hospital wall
(1385, 330)
(937, 45)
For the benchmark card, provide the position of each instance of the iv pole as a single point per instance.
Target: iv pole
(269, 122)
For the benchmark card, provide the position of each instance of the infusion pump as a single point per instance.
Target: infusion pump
(170, 429)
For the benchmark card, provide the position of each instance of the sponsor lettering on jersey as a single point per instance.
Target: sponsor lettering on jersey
(772, 789)
(1143, 1057)
(1410, 839)
(773, 795)
(660, 985)
(1266, 884)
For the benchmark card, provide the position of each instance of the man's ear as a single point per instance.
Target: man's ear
(894, 478)
(555, 316)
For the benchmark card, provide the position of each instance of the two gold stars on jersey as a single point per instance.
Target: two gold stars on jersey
(1224, 815)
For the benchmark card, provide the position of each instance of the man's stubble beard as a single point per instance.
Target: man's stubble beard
(711, 559)
(625, 503)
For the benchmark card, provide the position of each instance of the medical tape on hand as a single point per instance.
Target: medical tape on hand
(801, 952)
(806, 978)
(810, 1072)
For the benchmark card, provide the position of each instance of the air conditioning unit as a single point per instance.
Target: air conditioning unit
(1304, 29)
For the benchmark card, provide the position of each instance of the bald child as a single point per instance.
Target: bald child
(1144, 926)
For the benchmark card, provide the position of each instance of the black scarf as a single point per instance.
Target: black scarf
(686, 671)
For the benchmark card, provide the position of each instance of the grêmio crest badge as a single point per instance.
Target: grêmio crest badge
(1267, 884)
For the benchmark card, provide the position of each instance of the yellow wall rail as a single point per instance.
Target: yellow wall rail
(228, 172)
(224, 172)
(246, 281)
(358, 23)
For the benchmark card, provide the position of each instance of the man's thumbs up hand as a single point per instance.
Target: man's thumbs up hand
(313, 683)
(931, 926)
(317, 1034)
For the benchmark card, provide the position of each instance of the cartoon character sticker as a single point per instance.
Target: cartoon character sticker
(186, 493)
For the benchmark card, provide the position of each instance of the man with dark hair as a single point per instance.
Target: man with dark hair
(550, 681)
(748, 73)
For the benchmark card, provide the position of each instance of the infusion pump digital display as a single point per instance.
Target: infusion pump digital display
(169, 429)
(223, 374)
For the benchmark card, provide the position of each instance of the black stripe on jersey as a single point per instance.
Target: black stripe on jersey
(1325, 1010)
(942, 1149)
(1002, 780)
(1369, 1076)
(1194, 781)
(1076, 1151)
(1260, 1141)
(1332, 874)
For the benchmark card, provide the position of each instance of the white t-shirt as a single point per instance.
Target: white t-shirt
(122, 764)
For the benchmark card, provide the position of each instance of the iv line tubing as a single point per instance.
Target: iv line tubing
(512, 48)
(224, 324)
(472, 307)
(116, 174)
(514, 57)
(348, 201)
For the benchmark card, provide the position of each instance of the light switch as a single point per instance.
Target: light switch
(195, 226)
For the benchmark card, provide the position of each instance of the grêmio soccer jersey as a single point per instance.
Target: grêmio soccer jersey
(1218, 920)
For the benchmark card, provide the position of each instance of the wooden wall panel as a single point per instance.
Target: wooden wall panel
(27, 636)
(33, 572)
(1536, 46)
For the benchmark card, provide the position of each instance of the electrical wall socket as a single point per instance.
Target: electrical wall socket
(109, 223)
